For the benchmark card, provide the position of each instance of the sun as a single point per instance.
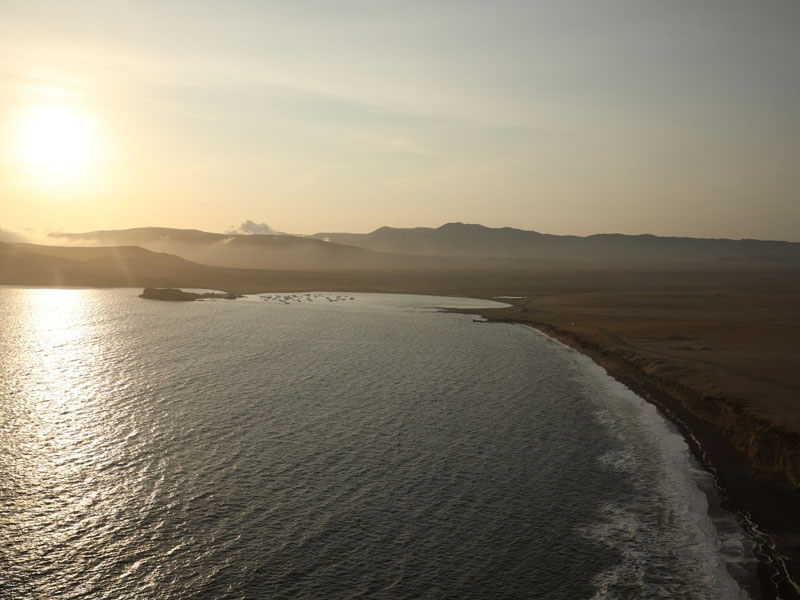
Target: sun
(57, 143)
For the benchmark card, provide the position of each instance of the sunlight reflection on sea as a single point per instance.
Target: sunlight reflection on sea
(370, 447)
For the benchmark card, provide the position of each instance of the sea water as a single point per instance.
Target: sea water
(334, 446)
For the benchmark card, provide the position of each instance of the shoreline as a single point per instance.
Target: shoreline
(757, 501)
(766, 507)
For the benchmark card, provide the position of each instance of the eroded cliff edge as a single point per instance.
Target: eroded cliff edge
(728, 386)
(771, 447)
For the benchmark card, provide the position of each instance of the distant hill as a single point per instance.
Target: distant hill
(252, 251)
(29, 264)
(451, 247)
(21, 266)
(466, 241)
(131, 266)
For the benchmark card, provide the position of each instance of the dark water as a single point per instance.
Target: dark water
(365, 448)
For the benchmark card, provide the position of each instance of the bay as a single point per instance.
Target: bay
(334, 446)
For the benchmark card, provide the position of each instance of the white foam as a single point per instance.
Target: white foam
(656, 460)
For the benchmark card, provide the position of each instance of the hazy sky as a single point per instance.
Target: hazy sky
(676, 117)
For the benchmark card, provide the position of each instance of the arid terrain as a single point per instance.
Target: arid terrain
(717, 352)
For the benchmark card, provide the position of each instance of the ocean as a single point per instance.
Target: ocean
(331, 446)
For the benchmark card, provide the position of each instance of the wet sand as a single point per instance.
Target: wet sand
(720, 357)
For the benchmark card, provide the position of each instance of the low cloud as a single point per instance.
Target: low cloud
(14, 235)
(251, 227)
(42, 237)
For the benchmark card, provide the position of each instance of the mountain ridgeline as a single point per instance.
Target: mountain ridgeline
(133, 266)
(451, 246)
(476, 242)
(249, 251)
(452, 259)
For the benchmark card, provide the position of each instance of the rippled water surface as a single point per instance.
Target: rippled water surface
(364, 448)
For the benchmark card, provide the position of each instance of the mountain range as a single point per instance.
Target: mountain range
(249, 251)
(468, 241)
(451, 246)
(453, 258)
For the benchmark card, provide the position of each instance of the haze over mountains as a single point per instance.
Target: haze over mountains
(460, 240)
(250, 251)
(454, 245)
(451, 258)
(132, 266)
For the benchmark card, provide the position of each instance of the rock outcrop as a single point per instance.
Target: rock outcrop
(176, 295)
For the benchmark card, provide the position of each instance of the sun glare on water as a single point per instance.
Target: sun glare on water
(57, 143)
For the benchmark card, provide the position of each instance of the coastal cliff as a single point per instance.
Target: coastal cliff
(737, 422)
(771, 449)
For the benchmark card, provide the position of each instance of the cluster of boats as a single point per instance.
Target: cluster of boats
(308, 297)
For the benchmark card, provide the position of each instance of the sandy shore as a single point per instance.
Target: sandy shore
(709, 372)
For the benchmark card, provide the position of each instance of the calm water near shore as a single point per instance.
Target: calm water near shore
(334, 446)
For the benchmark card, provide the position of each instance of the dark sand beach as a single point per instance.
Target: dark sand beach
(719, 357)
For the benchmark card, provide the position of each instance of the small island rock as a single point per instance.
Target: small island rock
(176, 295)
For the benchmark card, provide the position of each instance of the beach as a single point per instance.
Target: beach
(270, 448)
(720, 364)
